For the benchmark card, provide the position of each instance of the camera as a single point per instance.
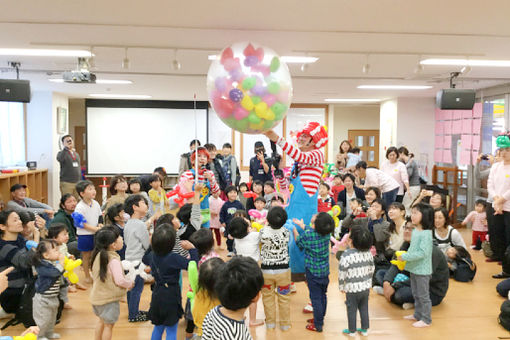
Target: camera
(485, 157)
(364, 208)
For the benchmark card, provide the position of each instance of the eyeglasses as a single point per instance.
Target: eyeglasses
(408, 228)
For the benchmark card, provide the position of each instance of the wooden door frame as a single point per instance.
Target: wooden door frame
(375, 131)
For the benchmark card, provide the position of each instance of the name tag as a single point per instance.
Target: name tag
(261, 171)
(75, 164)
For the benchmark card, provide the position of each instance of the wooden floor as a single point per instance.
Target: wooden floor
(469, 311)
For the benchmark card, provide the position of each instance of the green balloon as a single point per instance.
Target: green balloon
(275, 64)
(278, 109)
(253, 118)
(268, 124)
(241, 125)
(273, 88)
(230, 122)
(248, 83)
(256, 99)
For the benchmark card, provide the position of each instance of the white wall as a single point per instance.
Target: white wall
(42, 137)
(388, 127)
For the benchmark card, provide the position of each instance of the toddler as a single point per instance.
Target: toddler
(325, 201)
(478, 219)
(215, 204)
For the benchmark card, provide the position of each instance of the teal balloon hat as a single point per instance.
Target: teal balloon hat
(503, 141)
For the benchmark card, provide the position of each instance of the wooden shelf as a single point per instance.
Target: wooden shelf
(35, 180)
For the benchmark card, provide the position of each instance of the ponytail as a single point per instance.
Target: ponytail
(103, 239)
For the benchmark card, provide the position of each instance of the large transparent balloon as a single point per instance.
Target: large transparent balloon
(249, 87)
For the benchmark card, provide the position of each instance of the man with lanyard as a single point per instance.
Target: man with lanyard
(304, 181)
(70, 170)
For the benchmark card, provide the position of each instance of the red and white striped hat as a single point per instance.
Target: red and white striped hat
(317, 132)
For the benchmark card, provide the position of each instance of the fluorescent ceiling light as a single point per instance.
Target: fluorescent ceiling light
(287, 59)
(352, 100)
(466, 62)
(394, 87)
(45, 52)
(98, 81)
(120, 96)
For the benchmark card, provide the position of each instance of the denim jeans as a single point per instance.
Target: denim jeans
(318, 287)
(390, 196)
(133, 298)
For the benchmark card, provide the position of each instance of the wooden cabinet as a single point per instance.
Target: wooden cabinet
(35, 180)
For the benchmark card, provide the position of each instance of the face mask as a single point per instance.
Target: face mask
(126, 217)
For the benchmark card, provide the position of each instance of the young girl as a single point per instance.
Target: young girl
(49, 264)
(478, 219)
(58, 233)
(166, 309)
(257, 188)
(215, 204)
(109, 285)
(243, 187)
(205, 298)
(157, 196)
(462, 267)
(118, 191)
(419, 263)
(14, 254)
(135, 188)
(261, 211)
(204, 243)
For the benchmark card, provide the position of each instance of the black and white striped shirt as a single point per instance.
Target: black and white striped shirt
(217, 326)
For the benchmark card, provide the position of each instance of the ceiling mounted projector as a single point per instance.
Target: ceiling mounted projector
(81, 75)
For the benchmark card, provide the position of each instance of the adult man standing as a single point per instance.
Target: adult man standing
(70, 170)
(185, 161)
(259, 169)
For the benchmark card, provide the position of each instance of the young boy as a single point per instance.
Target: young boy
(227, 211)
(116, 215)
(269, 192)
(277, 201)
(274, 255)
(478, 219)
(338, 186)
(137, 240)
(237, 285)
(325, 202)
(91, 211)
(315, 242)
(355, 272)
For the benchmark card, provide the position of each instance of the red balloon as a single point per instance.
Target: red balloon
(187, 195)
(249, 50)
(251, 194)
(226, 54)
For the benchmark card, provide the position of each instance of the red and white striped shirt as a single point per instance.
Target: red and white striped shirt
(310, 165)
(189, 176)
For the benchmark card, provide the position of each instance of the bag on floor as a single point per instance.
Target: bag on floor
(504, 316)
(487, 251)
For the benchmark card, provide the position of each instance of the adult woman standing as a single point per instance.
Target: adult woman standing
(341, 156)
(376, 178)
(351, 191)
(63, 215)
(397, 170)
(413, 174)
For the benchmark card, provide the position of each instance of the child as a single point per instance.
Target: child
(237, 285)
(116, 215)
(157, 196)
(274, 253)
(229, 164)
(257, 189)
(325, 201)
(166, 309)
(48, 262)
(243, 187)
(246, 243)
(118, 188)
(136, 237)
(110, 285)
(135, 187)
(419, 263)
(315, 243)
(206, 297)
(269, 192)
(215, 204)
(203, 241)
(353, 158)
(58, 233)
(91, 211)
(260, 206)
(478, 219)
(277, 201)
(227, 211)
(338, 186)
(355, 272)
(462, 267)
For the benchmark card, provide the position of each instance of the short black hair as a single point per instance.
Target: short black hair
(361, 238)
(239, 281)
(208, 275)
(154, 178)
(133, 200)
(238, 227)
(361, 164)
(257, 182)
(210, 147)
(269, 183)
(227, 145)
(443, 212)
(64, 137)
(481, 202)
(326, 185)
(338, 176)
(165, 218)
(82, 185)
(355, 150)
(360, 202)
(163, 239)
(26, 216)
(160, 170)
(242, 184)
(229, 189)
(324, 224)
(427, 215)
(113, 182)
(55, 229)
(184, 213)
(63, 200)
(114, 211)
(278, 198)
(403, 150)
(203, 240)
(194, 141)
(390, 150)
(381, 203)
(241, 213)
(375, 190)
(351, 176)
(260, 199)
(276, 217)
(134, 181)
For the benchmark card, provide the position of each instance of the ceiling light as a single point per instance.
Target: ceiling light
(304, 67)
(98, 81)
(120, 96)
(466, 62)
(176, 65)
(45, 52)
(125, 62)
(465, 69)
(352, 100)
(394, 87)
(287, 59)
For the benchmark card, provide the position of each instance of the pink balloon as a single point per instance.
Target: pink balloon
(223, 107)
(269, 99)
(232, 64)
(240, 113)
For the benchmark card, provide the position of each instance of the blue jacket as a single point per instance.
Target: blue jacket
(228, 210)
(47, 274)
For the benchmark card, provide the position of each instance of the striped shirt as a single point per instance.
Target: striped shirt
(310, 165)
(54, 289)
(189, 176)
(355, 271)
(217, 326)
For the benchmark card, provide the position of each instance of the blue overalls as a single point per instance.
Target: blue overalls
(204, 201)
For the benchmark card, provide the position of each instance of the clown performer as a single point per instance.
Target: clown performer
(187, 181)
(305, 177)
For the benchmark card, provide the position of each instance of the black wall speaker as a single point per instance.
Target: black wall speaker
(14, 90)
(455, 99)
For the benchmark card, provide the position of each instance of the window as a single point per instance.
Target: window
(12, 134)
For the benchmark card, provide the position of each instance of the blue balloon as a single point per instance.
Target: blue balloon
(236, 95)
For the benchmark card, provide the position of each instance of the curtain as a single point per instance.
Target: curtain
(12, 134)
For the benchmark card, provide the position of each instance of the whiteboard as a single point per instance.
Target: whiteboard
(136, 140)
(219, 132)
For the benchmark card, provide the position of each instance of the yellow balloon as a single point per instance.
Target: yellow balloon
(270, 115)
(247, 103)
(261, 110)
(258, 126)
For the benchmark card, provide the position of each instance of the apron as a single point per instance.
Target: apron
(204, 202)
(301, 206)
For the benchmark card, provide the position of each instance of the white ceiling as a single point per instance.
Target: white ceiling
(318, 28)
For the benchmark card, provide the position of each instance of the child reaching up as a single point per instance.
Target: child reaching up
(48, 262)
(109, 285)
(419, 263)
(355, 272)
(237, 286)
(315, 242)
(478, 219)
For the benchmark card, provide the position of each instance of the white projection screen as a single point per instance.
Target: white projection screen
(135, 140)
